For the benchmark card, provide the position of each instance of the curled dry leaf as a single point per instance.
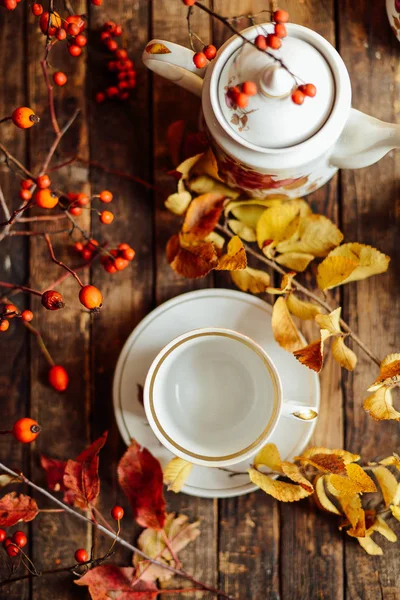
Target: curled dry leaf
(347, 457)
(276, 224)
(295, 260)
(157, 48)
(141, 479)
(330, 322)
(352, 508)
(6, 479)
(203, 184)
(179, 533)
(206, 165)
(302, 309)
(389, 375)
(235, 259)
(316, 235)
(110, 581)
(176, 472)
(246, 233)
(356, 481)
(54, 469)
(284, 329)
(350, 262)
(16, 508)
(286, 285)
(380, 405)
(321, 497)
(202, 216)
(393, 460)
(343, 355)
(217, 239)
(327, 463)
(251, 280)
(370, 547)
(379, 526)
(178, 203)
(249, 212)
(280, 490)
(269, 457)
(312, 355)
(388, 484)
(191, 260)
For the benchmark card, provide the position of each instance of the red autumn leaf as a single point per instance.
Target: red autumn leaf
(14, 509)
(54, 471)
(141, 479)
(81, 476)
(110, 581)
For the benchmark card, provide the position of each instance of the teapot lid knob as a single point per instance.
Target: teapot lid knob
(276, 82)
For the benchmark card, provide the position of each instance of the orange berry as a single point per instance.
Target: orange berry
(93, 244)
(210, 51)
(112, 45)
(43, 181)
(109, 266)
(280, 30)
(117, 513)
(120, 263)
(58, 378)
(10, 310)
(61, 34)
(81, 40)
(75, 210)
(26, 184)
(189, 2)
(24, 117)
(110, 26)
(200, 60)
(74, 50)
(46, 198)
(298, 97)
(82, 199)
(106, 217)
(249, 88)
(25, 195)
(121, 54)
(273, 41)
(78, 246)
(27, 315)
(60, 78)
(91, 297)
(87, 254)
(242, 100)
(128, 254)
(4, 325)
(81, 556)
(261, 42)
(308, 89)
(52, 300)
(25, 430)
(11, 548)
(73, 28)
(37, 9)
(19, 538)
(106, 196)
(77, 19)
(281, 16)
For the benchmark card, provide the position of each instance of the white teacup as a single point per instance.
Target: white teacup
(213, 397)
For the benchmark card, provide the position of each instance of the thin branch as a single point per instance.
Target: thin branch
(40, 342)
(42, 218)
(299, 287)
(58, 262)
(112, 535)
(43, 64)
(57, 140)
(22, 288)
(3, 204)
(17, 163)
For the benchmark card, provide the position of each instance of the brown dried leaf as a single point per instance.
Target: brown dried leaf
(202, 216)
(251, 280)
(191, 261)
(380, 405)
(327, 463)
(280, 490)
(389, 375)
(343, 355)
(16, 508)
(302, 309)
(352, 508)
(235, 259)
(107, 582)
(175, 474)
(312, 356)
(6, 479)
(284, 329)
(157, 48)
(295, 260)
(293, 472)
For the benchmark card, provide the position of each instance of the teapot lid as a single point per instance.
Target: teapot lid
(271, 119)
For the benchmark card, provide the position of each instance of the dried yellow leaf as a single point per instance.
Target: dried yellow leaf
(395, 511)
(269, 457)
(302, 309)
(187, 165)
(178, 203)
(157, 48)
(389, 375)
(203, 184)
(380, 526)
(370, 547)
(280, 490)
(275, 223)
(317, 235)
(348, 457)
(380, 405)
(295, 260)
(356, 482)
(207, 165)
(293, 472)
(388, 484)
(249, 211)
(343, 355)
(286, 284)
(235, 259)
(248, 234)
(251, 280)
(284, 329)
(393, 460)
(175, 474)
(217, 239)
(330, 322)
(327, 463)
(321, 497)
(352, 508)
(333, 271)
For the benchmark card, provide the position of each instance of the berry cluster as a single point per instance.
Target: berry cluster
(9, 4)
(13, 545)
(300, 93)
(69, 29)
(274, 40)
(201, 59)
(238, 95)
(121, 65)
(9, 312)
(119, 258)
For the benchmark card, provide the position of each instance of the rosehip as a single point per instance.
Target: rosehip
(106, 196)
(77, 19)
(37, 9)
(100, 97)
(273, 41)
(97, 2)
(189, 2)
(106, 217)
(74, 50)
(43, 181)
(117, 31)
(25, 195)
(281, 16)
(308, 89)
(117, 513)
(26, 184)
(81, 556)
(73, 29)
(52, 300)
(24, 117)
(210, 51)
(27, 315)
(61, 34)
(10, 310)
(78, 246)
(60, 78)
(58, 378)
(109, 266)
(91, 297)
(92, 244)
(128, 254)
(298, 97)
(46, 198)
(10, 4)
(120, 263)
(280, 30)
(200, 60)
(75, 210)
(261, 42)
(105, 36)
(11, 549)
(25, 430)
(3, 535)
(20, 539)
(4, 325)
(112, 91)
(87, 254)
(110, 26)
(249, 88)
(121, 54)
(112, 45)
(242, 100)
(81, 40)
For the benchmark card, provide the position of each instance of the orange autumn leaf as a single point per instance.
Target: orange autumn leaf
(284, 329)
(312, 356)
(191, 261)
(235, 259)
(347, 457)
(157, 48)
(356, 482)
(352, 508)
(280, 490)
(389, 374)
(203, 215)
(327, 463)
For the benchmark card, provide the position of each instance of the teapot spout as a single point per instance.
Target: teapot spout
(364, 141)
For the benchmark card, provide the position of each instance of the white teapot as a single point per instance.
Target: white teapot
(275, 146)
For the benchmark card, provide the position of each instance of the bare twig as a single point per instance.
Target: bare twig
(41, 343)
(22, 288)
(59, 262)
(57, 140)
(3, 204)
(43, 64)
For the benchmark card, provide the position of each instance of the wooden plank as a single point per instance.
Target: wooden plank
(63, 416)
(120, 138)
(170, 104)
(371, 201)
(14, 381)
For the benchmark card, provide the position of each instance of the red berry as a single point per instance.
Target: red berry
(77, 19)
(123, 246)
(261, 42)
(81, 556)
(76, 211)
(106, 196)
(117, 513)
(4, 325)
(37, 9)
(189, 2)
(78, 246)
(25, 195)
(26, 184)
(200, 60)
(87, 254)
(3, 535)
(27, 315)
(60, 78)
(24, 117)
(25, 430)
(10, 4)
(11, 549)
(97, 2)
(74, 50)
(82, 199)
(273, 41)
(73, 29)
(242, 100)
(121, 54)
(81, 40)
(308, 89)
(10, 310)
(112, 91)
(106, 217)
(128, 254)
(109, 266)
(58, 378)
(43, 181)
(120, 263)
(105, 36)
(280, 30)
(92, 245)
(249, 88)
(20, 539)
(210, 51)
(281, 16)
(298, 97)
(117, 31)
(109, 26)
(46, 198)
(52, 300)
(112, 45)
(61, 34)
(91, 297)
(100, 97)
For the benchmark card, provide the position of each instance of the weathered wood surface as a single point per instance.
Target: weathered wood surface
(250, 546)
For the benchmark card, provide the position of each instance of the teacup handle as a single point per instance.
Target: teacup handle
(175, 63)
(298, 411)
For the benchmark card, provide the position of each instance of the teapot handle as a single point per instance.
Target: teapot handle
(175, 63)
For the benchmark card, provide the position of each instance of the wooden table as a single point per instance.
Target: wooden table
(253, 547)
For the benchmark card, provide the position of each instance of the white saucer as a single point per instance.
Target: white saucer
(227, 309)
